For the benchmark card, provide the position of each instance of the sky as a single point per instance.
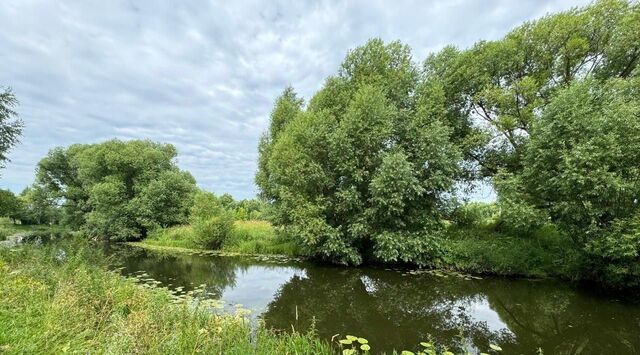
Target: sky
(203, 75)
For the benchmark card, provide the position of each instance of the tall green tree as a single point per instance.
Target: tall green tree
(287, 107)
(38, 206)
(118, 190)
(10, 124)
(10, 205)
(503, 86)
(361, 173)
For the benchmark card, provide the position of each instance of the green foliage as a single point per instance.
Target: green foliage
(502, 86)
(583, 161)
(544, 252)
(212, 232)
(36, 206)
(476, 214)
(361, 172)
(118, 190)
(518, 214)
(614, 255)
(10, 205)
(258, 237)
(10, 124)
(246, 237)
(73, 305)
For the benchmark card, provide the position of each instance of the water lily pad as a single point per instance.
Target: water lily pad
(495, 347)
(365, 347)
(363, 341)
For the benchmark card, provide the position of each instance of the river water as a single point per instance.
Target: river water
(398, 309)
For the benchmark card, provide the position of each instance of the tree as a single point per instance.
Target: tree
(287, 107)
(10, 124)
(211, 219)
(360, 173)
(38, 206)
(501, 87)
(10, 205)
(118, 190)
(583, 167)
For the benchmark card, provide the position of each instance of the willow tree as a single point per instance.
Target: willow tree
(361, 172)
(117, 189)
(503, 86)
(10, 124)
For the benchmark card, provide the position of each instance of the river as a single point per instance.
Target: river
(397, 309)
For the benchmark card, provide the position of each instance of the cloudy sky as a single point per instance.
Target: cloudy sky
(200, 74)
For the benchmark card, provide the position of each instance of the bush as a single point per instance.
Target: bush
(614, 256)
(212, 232)
(546, 252)
(476, 214)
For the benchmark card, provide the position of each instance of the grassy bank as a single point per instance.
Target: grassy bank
(8, 228)
(246, 237)
(481, 250)
(57, 303)
(478, 249)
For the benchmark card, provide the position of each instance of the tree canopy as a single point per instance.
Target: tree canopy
(361, 171)
(118, 189)
(10, 124)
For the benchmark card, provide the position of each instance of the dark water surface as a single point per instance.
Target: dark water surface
(398, 310)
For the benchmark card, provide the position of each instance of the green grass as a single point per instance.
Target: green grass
(75, 306)
(257, 237)
(7, 228)
(246, 237)
(484, 250)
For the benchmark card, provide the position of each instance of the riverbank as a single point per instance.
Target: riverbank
(61, 299)
(246, 237)
(474, 250)
(8, 228)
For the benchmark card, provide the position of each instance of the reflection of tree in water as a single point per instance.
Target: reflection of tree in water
(183, 270)
(386, 308)
(563, 321)
(396, 311)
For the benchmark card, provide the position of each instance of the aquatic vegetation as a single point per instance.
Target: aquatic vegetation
(353, 345)
(76, 306)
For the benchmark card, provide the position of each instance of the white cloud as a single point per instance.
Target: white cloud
(203, 75)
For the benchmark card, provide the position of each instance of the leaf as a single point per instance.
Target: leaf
(345, 341)
(348, 352)
(351, 337)
(363, 341)
(407, 352)
(448, 353)
(495, 347)
(426, 345)
(365, 347)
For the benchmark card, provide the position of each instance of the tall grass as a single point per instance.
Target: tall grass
(56, 303)
(258, 237)
(486, 250)
(247, 237)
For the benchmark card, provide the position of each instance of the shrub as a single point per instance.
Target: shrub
(212, 232)
(476, 214)
(614, 256)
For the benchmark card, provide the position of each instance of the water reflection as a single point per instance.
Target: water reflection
(398, 311)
